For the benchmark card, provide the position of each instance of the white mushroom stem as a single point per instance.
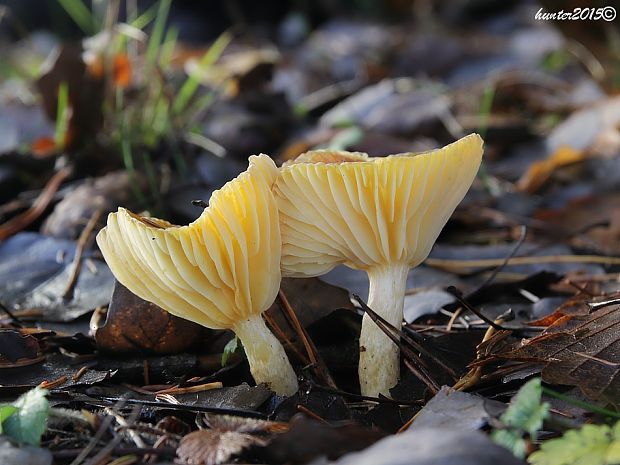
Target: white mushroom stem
(268, 361)
(379, 365)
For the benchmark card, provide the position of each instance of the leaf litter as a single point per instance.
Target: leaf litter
(534, 322)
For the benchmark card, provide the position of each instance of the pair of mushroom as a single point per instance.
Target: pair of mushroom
(325, 208)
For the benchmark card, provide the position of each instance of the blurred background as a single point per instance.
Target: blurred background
(152, 104)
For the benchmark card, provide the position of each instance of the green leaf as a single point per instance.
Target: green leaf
(28, 423)
(230, 348)
(591, 445)
(525, 414)
(5, 412)
(526, 411)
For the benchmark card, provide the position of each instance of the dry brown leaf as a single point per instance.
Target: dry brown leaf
(578, 350)
(134, 324)
(211, 447)
(540, 172)
(243, 424)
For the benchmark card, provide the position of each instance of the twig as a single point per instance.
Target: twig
(190, 389)
(99, 456)
(82, 243)
(459, 296)
(379, 400)
(450, 264)
(13, 318)
(512, 253)
(311, 414)
(282, 335)
(420, 368)
(22, 220)
(472, 377)
(185, 407)
(311, 350)
(105, 424)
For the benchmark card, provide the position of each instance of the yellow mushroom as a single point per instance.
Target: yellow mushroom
(381, 215)
(221, 271)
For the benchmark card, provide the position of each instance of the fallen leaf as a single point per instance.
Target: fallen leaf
(541, 171)
(243, 424)
(578, 350)
(53, 367)
(15, 346)
(211, 447)
(431, 446)
(135, 325)
(35, 270)
(104, 194)
(307, 439)
(457, 410)
(86, 92)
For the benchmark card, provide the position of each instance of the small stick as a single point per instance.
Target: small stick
(24, 219)
(513, 252)
(379, 400)
(459, 296)
(451, 265)
(13, 318)
(311, 350)
(400, 336)
(280, 333)
(82, 243)
(311, 414)
(472, 377)
(191, 389)
(395, 335)
(76, 377)
(53, 384)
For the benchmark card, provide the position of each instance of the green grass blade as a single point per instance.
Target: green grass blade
(145, 18)
(62, 115)
(152, 50)
(80, 14)
(191, 84)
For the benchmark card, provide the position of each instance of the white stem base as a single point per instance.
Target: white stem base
(268, 361)
(379, 367)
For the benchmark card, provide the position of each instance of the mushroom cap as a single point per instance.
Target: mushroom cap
(218, 270)
(363, 212)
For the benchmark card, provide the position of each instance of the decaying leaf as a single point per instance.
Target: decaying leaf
(17, 347)
(243, 424)
(134, 324)
(308, 439)
(228, 436)
(455, 409)
(212, 447)
(578, 350)
(35, 271)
